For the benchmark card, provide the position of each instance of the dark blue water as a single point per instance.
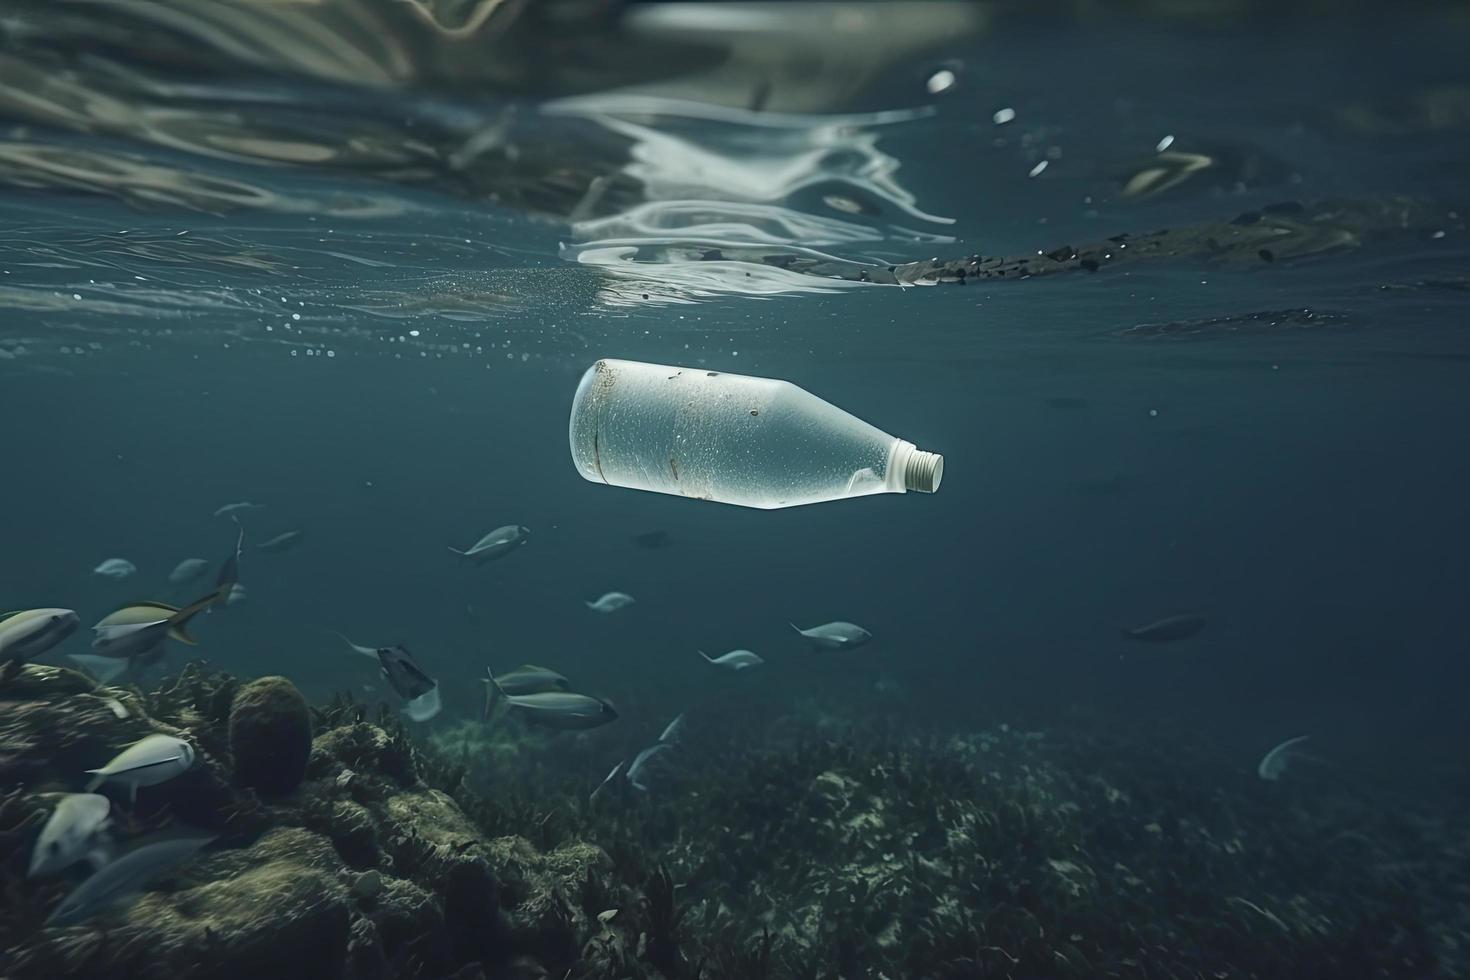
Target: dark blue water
(384, 353)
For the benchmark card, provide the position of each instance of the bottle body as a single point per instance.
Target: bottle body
(755, 442)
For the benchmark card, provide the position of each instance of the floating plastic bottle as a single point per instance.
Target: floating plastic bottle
(756, 442)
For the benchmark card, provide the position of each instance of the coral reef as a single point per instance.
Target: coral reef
(820, 849)
(270, 736)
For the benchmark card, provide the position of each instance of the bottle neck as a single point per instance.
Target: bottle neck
(911, 468)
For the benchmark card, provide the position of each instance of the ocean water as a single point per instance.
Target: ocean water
(354, 274)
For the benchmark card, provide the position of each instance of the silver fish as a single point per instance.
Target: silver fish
(1167, 630)
(525, 679)
(734, 660)
(674, 729)
(562, 710)
(641, 760)
(118, 568)
(72, 833)
(125, 876)
(611, 602)
(606, 779)
(1273, 764)
(282, 542)
(497, 544)
(835, 636)
(229, 510)
(149, 761)
(187, 571)
(29, 633)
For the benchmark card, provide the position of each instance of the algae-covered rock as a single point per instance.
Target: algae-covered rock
(270, 736)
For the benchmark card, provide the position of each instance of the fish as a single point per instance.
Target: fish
(734, 660)
(607, 779)
(118, 568)
(403, 674)
(27, 634)
(673, 730)
(653, 539)
(835, 636)
(525, 679)
(102, 668)
(229, 570)
(610, 602)
(1167, 630)
(562, 710)
(187, 571)
(149, 761)
(496, 544)
(72, 833)
(284, 541)
(237, 595)
(126, 875)
(1273, 764)
(641, 760)
(140, 628)
(230, 510)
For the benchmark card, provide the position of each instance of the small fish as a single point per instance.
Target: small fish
(29, 633)
(641, 760)
(497, 544)
(404, 675)
(187, 571)
(281, 542)
(72, 833)
(102, 668)
(674, 729)
(611, 602)
(606, 779)
(125, 876)
(561, 710)
(229, 510)
(835, 636)
(653, 539)
(118, 568)
(1273, 764)
(525, 679)
(734, 660)
(141, 627)
(1167, 630)
(151, 760)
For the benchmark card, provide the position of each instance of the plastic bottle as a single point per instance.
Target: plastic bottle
(755, 442)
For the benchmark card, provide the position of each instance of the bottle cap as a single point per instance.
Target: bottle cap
(923, 471)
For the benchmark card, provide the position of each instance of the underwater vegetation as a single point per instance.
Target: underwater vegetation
(344, 847)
